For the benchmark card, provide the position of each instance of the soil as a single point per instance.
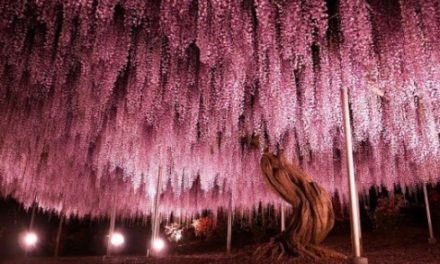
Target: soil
(402, 245)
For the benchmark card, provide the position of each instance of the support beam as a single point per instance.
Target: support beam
(111, 230)
(283, 217)
(155, 216)
(356, 235)
(31, 224)
(229, 230)
(58, 238)
(431, 238)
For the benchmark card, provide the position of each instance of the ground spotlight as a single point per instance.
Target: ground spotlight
(178, 235)
(158, 244)
(117, 239)
(29, 240)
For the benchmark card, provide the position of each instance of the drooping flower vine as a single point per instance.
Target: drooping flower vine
(96, 95)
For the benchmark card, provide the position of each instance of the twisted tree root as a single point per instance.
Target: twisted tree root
(279, 252)
(313, 218)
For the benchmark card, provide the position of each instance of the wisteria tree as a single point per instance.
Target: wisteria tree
(313, 216)
(96, 95)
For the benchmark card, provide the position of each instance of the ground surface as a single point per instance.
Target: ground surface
(402, 245)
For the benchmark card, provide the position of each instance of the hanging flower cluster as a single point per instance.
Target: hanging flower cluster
(96, 95)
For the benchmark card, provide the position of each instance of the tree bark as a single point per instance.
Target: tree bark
(313, 216)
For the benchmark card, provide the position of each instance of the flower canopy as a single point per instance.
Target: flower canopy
(96, 95)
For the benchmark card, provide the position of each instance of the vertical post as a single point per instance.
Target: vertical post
(57, 241)
(149, 240)
(31, 224)
(283, 218)
(155, 217)
(157, 225)
(111, 230)
(353, 194)
(229, 230)
(431, 238)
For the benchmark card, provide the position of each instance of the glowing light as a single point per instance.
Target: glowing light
(30, 239)
(178, 236)
(174, 232)
(158, 244)
(117, 239)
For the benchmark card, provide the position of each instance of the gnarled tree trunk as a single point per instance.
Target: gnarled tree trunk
(313, 211)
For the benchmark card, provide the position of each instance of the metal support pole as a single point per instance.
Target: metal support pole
(155, 216)
(57, 241)
(283, 217)
(31, 224)
(431, 238)
(229, 230)
(111, 230)
(356, 235)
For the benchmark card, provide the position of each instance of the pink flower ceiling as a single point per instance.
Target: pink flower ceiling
(95, 95)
